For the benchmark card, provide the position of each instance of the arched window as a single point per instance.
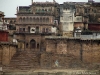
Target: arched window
(11, 22)
(30, 19)
(47, 30)
(47, 20)
(45, 9)
(33, 19)
(40, 19)
(20, 19)
(43, 19)
(39, 10)
(43, 30)
(37, 29)
(27, 19)
(14, 21)
(24, 19)
(42, 10)
(37, 20)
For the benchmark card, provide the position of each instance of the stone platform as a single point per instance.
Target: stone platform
(53, 72)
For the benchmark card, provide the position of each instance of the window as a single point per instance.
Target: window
(37, 29)
(30, 19)
(26, 45)
(85, 10)
(47, 30)
(22, 29)
(43, 30)
(38, 46)
(45, 9)
(94, 11)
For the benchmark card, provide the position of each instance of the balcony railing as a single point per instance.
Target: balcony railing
(28, 32)
(40, 23)
(22, 32)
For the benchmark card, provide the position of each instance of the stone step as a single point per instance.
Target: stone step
(24, 60)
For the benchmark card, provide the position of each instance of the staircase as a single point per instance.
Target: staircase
(24, 60)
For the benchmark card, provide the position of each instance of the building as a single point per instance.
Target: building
(67, 18)
(34, 22)
(10, 22)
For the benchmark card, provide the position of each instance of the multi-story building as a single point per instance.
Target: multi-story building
(34, 22)
(90, 22)
(10, 22)
(67, 18)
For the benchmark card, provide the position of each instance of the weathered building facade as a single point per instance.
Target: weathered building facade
(67, 19)
(7, 49)
(10, 22)
(3, 28)
(71, 52)
(39, 47)
(35, 21)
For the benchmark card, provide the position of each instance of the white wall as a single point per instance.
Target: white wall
(78, 19)
(67, 26)
(53, 29)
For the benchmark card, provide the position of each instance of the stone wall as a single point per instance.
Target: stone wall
(7, 50)
(55, 61)
(91, 51)
(75, 51)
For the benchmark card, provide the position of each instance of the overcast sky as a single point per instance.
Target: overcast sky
(9, 6)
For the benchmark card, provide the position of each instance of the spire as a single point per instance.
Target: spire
(32, 1)
(17, 9)
(54, 1)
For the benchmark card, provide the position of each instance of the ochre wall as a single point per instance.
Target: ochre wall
(6, 53)
(87, 51)
(91, 51)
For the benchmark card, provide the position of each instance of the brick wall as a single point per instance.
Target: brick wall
(6, 53)
(91, 51)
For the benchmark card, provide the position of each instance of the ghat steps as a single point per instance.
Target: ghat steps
(24, 60)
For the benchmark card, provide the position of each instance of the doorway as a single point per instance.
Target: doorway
(32, 44)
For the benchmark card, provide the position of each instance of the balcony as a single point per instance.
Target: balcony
(40, 23)
(25, 12)
(27, 32)
(44, 12)
(21, 32)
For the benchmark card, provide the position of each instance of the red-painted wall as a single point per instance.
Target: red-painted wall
(3, 36)
(94, 27)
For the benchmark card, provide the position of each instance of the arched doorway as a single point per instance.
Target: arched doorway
(32, 44)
